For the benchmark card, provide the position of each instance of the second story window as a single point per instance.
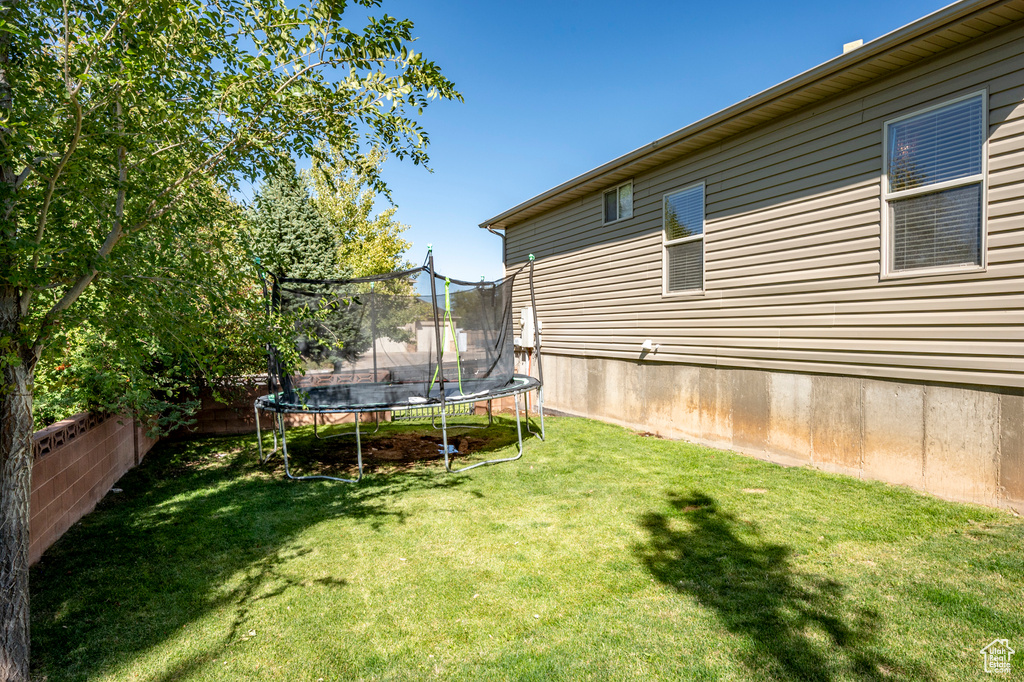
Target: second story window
(618, 202)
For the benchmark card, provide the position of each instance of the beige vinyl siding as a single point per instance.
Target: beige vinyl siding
(792, 246)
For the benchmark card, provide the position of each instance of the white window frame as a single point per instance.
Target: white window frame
(665, 243)
(981, 179)
(615, 189)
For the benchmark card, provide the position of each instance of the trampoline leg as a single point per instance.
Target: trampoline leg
(444, 440)
(287, 470)
(359, 449)
(519, 428)
(519, 433)
(259, 437)
(540, 408)
(540, 411)
(275, 442)
(284, 444)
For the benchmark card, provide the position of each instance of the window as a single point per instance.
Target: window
(618, 202)
(683, 240)
(934, 188)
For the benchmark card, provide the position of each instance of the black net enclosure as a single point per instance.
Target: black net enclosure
(412, 343)
(402, 339)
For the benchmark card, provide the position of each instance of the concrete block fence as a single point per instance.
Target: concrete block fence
(76, 462)
(238, 416)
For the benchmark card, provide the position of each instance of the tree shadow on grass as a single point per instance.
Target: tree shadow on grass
(796, 626)
(195, 531)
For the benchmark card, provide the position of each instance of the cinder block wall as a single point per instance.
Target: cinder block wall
(961, 443)
(76, 463)
(238, 416)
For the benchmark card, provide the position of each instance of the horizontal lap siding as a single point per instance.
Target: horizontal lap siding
(793, 244)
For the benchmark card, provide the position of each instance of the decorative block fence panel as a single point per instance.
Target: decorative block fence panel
(77, 460)
(238, 417)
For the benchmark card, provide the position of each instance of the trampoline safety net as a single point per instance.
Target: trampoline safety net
(392, 340)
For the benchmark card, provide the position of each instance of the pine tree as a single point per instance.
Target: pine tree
(289, 235)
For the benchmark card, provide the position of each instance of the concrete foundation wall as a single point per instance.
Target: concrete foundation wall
(956, 442)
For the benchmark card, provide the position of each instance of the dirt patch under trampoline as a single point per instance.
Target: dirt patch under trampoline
(392, 451)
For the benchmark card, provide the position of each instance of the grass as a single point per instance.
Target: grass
(600, 555)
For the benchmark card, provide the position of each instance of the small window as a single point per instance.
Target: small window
(683, 240)
(618, 203)
(934, 188)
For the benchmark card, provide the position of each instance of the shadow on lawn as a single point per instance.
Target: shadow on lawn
(195, 531)
(797, 626)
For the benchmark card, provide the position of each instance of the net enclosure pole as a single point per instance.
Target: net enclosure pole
(536, 346)
(267, 306)
(373, 342)
(437, 328)
(440, 357)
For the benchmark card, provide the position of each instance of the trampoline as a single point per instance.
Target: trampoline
(411, 344)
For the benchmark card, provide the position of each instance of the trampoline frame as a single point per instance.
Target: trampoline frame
(521, 384)
(518, 386)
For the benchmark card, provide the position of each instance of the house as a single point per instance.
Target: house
(830, 272)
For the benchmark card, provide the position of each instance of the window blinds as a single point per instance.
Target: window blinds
(933, 228)
(939, 145)
(686, 266)
(684, 214)
(941, 228)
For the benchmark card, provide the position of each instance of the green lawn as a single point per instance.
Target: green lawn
(600, 555)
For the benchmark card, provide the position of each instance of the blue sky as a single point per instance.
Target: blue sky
(554, 89)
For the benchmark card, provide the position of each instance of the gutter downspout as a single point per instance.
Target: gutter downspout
(502, 237)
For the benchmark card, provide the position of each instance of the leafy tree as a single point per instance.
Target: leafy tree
(113, 115)
(186, 314)
(289, 234)
(344, 194)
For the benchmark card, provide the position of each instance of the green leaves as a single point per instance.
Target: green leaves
(344, 195)
(127, 122)
(184, 93)
(181, 308)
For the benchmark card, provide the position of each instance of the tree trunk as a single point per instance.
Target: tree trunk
(15, 489)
